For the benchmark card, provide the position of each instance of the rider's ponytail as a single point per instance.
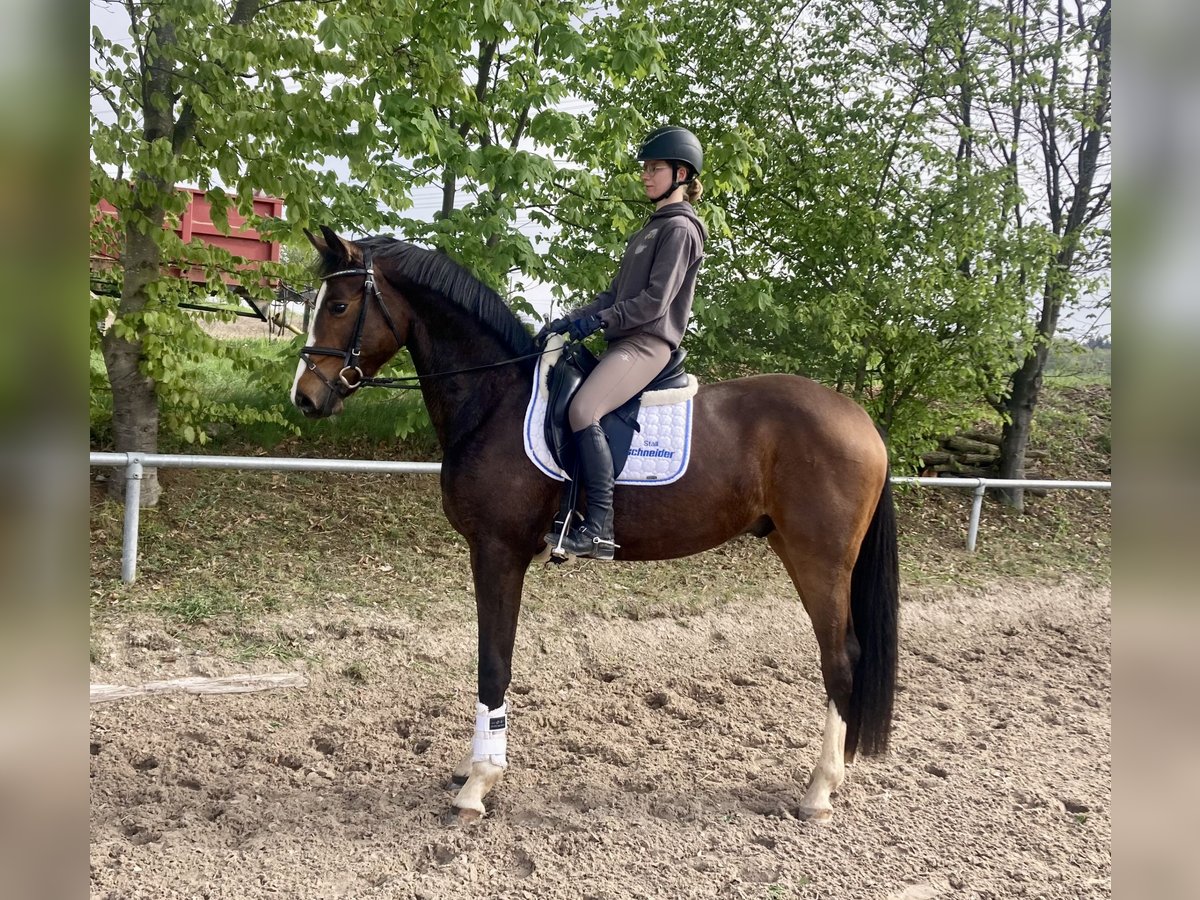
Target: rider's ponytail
(695, 190)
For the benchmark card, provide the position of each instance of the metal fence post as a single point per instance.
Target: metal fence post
(976, 509)
(133, 505)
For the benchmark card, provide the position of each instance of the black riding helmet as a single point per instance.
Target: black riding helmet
(677, 146)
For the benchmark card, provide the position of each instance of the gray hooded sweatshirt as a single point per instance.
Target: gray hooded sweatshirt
(654, 288)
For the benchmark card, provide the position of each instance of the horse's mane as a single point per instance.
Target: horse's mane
(435, 271)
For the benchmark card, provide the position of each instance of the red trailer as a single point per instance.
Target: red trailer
(196, 224)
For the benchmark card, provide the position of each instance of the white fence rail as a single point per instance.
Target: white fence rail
(135, 463)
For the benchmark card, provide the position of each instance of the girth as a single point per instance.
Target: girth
(576, 364)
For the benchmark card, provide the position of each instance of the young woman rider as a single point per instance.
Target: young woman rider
(644, 314)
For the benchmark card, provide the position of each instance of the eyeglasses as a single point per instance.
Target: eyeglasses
(652, 170)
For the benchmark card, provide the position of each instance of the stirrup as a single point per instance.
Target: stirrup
(558, 533)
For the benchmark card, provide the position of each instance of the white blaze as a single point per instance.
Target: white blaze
(312, 340)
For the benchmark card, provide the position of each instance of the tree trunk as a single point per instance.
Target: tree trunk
(1026, 388)
(860, 377)
(135, 404)
(449, 188)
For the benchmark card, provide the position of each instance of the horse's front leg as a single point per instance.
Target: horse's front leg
(499, 573)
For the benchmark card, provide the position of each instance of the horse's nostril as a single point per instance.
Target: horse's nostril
(305, 403)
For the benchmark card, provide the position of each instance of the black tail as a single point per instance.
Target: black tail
(875, 610)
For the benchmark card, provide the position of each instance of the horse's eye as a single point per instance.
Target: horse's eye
(337, 308)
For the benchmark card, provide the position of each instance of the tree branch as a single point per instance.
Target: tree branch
(549, 210)
(245, 10)
(305, 2)
(185, 125)
(523, 119)
(105, 91)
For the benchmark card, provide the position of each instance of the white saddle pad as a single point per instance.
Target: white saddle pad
(660, 451)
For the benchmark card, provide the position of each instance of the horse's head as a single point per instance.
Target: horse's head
(359, 322)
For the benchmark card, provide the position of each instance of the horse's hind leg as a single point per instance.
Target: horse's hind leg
(825, 591)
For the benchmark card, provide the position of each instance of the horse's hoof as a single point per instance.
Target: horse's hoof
(457, 781)
(461, 818)
(820, 815)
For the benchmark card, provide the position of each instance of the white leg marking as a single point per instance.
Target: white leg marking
(830, 771)
(312, 340)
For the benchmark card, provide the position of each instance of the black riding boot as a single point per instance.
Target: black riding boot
(594, 538)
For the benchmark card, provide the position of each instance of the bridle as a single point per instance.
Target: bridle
(350, 356)
(351, 375)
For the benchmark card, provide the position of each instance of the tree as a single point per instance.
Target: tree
(507, 141)
(252, 96)
(922, 176)
(865, 247)
(207, 93)
(1055, 147)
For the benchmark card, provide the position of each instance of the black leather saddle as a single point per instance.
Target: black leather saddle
(575, 364)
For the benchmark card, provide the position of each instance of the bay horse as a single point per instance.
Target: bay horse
(776, 456)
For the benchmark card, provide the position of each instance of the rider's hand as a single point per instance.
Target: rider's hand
(581, 328)
(558, 326)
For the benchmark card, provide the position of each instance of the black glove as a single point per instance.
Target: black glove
(558, 326)
(581, 328)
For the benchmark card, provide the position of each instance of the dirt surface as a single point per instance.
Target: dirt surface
(657, 759)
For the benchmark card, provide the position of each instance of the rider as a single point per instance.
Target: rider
(643, 313)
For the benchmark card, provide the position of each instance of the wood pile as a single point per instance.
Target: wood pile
(972, 454)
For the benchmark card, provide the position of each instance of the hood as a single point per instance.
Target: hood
(682, 208)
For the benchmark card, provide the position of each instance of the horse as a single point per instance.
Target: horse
(777, 456)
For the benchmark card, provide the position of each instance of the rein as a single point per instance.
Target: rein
(350, 356)
(397, 383)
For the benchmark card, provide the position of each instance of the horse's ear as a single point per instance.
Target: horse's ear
(338, 247)
(317, 242)
(333, 248)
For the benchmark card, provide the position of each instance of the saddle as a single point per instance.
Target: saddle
(575, 364)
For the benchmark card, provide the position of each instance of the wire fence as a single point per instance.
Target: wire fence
(135, 464)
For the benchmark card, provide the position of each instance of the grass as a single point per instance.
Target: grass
(1071, 365)
(244, 645)
(356, 671)
(279, 543)
(1062, 533)
(189, 609)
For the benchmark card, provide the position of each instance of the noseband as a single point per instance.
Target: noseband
(350, 378)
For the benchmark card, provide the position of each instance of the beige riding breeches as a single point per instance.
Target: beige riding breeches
(626, 367)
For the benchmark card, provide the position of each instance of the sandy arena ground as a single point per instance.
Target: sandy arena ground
(648, 759)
